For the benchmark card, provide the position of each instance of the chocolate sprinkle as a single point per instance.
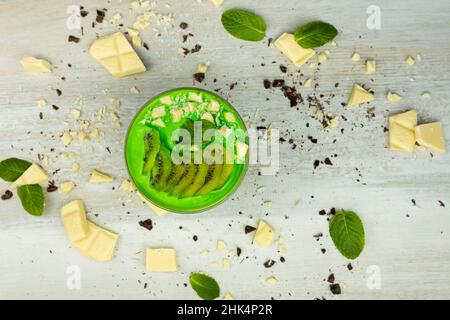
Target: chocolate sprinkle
(238, 251)
(51, 186)
(350, 267)
(7, 195)
(269, 263)
(184, 25)
(73, 39)
(147, 224)
(331, 278)
(58, 92)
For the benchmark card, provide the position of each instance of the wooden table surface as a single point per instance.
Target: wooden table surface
(407, 246)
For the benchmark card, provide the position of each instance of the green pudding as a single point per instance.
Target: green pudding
(187, 150)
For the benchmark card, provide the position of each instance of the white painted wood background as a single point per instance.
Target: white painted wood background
(412, 254)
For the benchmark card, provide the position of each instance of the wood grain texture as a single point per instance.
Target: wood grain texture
(412, 253)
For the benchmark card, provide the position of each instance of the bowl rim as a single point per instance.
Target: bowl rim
(235, 187)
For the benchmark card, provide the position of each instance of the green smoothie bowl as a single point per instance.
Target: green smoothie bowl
(187, 150)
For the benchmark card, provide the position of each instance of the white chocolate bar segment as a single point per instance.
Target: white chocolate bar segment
(36, 65)
(73, 216)
(290, 48)
(161, 260)
(116, 54)
(99, 244)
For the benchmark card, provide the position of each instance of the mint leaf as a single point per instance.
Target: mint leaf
(347, 232)
(32, 198)
(11, 169)
(205, 286)
(244, 25)
(315, 34)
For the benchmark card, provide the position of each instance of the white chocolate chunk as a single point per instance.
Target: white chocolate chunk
(161, 260)
(213, 106)
(307, 83)
(155, 209)
(229, 117)
(177, 114)
(73, 216)
(75, 167)
(264, 235)
(116, 54)
(159, 123)
(66, 138)
(208, 116)
(356, 57)
(241, 149)
(290, 48)
(158, 112)
(272, 280)
(228, 296)
(430, 135)
(36, 65)
(401, 131)
(410, 61)
(371, 67)
(99, 244)
(359, 95)
(226, 263)
(42, 103)
(393, 97)
(67, 186)
(322, 57)
(99, 177)
(407, 119)
(33, 175)
(167, 100)
(217, 3)
(220, 245)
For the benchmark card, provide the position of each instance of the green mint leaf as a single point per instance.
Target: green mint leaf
(347, 232)
(32, 197)
(244, 25)
(315, 34)
(11, 169)
(205, 286)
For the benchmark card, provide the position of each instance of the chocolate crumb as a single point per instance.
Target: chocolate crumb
(350, 267)
(145, 46)
(322, 212)
(184, 25)
(323, 250)
(282, 260)
(328, 162)
(41, 115)
(335, 288)
(196, 48)
(199, 76)
(238, 251)
(269, 263)
(100, 16)
(267, 84)
(51, 186)
(7, 195)
(249, 229)
(278, 83)
(331, 278)
(195, 238)
(73, 39)
(441, 203)
(55, 107)
(283, 68)
(413, 202)
(58, 92)
(147, 224)
(316, 164)
(84, 13)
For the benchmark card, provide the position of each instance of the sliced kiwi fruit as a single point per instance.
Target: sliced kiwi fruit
(212, 179)
(186, 179)
(227, 170)
(199, 180)
(175, 176)
(152, 144)
(161, 169)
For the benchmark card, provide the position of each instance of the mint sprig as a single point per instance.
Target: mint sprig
(11, 169)
(32, 198)
(206, 287)
(244, 25)
(347, 233)
(315, 34)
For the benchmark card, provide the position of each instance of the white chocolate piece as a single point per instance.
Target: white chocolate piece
(73, 216)
(290, 48)
(33, 175)
(359, 96)
(99, 244)
(99, 177)
(116, 54)
(161, 260)
(430, 135)
(36, 65)
(264, 235)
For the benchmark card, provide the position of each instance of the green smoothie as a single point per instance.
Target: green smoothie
(187, 150)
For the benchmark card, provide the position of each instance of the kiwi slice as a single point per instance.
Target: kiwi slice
(199, 181)
(186, 179)
(175, 176)
(212, 179)
(227, 170)
(161, 169)
(152, 144)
